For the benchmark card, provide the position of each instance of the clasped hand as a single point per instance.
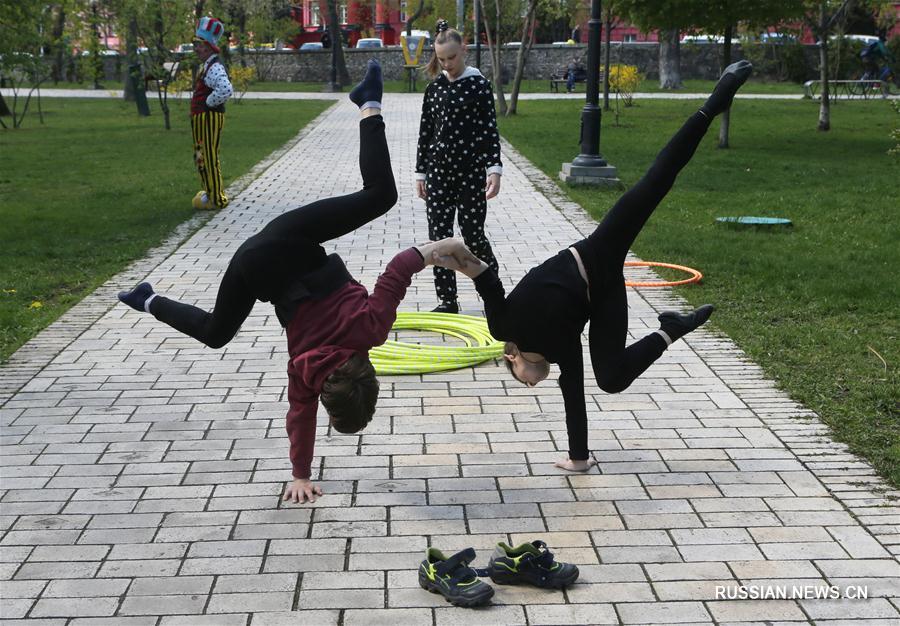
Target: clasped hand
(450, 253)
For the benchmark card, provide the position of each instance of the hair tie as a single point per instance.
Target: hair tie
(442, 25)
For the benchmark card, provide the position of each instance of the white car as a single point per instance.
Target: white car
(707, 39)
(311, 45)
(865, 39)
(104, 52)
(370, 42)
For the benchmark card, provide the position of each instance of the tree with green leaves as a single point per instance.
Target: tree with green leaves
(501, 21)
(525, 42)
(823, 17)
(669, 18)
(23, 25)
(722, 17)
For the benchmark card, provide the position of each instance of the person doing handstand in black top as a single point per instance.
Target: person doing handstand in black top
(543, 317)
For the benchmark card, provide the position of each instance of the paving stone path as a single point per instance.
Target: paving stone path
(141, 471)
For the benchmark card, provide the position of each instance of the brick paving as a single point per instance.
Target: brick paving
(141, 471)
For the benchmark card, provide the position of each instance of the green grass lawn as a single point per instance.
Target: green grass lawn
(812, 305)
(96, 186)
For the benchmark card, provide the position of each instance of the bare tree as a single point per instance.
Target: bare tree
(494, 50)
(524, 50)
(609, 22)
(725, 123)
(58, 43)
(827, 14)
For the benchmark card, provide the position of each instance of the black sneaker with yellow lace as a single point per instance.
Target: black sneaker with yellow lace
(530, 563)
(453, 578)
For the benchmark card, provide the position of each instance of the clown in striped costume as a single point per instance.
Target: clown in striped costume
(211, 91)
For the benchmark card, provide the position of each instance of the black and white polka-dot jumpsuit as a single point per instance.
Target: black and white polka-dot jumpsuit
(458, 147)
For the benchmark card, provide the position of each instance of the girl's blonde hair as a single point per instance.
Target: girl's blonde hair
(443, 34)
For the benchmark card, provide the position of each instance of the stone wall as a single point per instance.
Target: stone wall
(697, 61)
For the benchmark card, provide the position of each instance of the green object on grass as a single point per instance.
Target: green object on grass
(398, 357)
(745, 220)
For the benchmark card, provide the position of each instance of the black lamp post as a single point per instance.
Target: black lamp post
(590, 114)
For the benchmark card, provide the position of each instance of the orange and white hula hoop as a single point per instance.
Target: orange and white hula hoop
(696, 276)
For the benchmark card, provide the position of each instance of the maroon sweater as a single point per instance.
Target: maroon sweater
(325, 332)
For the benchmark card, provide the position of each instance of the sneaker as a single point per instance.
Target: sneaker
(530, 563)
(446, 307)
(453, 578)
(677, 325)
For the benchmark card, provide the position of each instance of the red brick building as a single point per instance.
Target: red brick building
(386, 19)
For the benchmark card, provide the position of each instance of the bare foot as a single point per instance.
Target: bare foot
(577, 465)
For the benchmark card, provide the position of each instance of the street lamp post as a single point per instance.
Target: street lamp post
(590, 114)
(589, 166)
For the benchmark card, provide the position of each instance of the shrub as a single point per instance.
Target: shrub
(782, 61)
(895, 134)
(241, 77)
(624, 80)
(184, 82)
(843, 59)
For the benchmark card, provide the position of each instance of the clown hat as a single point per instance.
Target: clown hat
(210, 30)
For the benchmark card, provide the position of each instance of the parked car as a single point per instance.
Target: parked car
(105, 52)
(865, 39)
(311, 45)
(422, 33)
(370, 42)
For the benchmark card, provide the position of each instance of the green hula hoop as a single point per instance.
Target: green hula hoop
(398, 357)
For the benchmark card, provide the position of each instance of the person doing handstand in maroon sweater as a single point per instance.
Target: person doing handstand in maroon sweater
(330, 319)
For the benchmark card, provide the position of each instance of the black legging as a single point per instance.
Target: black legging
(288, 247)
(603, 253)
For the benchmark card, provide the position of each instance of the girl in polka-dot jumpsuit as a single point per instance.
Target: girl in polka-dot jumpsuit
(458, 163)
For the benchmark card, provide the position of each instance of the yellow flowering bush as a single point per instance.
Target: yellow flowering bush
(241, 77)
(184, 82)
(624, 79)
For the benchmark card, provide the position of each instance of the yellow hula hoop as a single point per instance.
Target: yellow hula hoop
(398, 357)
(696, 276)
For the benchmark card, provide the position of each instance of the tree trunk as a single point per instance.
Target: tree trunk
(412, 18)
(95, 59)
(669, 60)
(58, 45)
(824, 103)
(607, 47)
(241, 21)
(726, 61)
(334, 30)
(131, 40)
(522, 57)
(494, 52)
(198, 9)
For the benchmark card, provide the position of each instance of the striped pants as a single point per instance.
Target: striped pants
(206, 129)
